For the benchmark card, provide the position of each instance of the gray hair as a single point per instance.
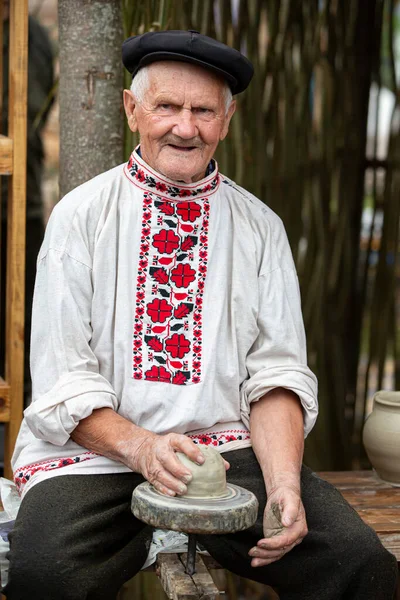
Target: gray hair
(140, 85)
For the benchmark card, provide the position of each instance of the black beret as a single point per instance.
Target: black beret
(188, 46)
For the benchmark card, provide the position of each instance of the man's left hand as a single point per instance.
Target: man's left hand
(285, 526)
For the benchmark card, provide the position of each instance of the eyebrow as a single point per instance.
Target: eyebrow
(163, 98)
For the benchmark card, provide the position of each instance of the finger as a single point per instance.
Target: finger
(174, 484)
(181, 443)
(258, 552)
(157, 475)
(172, 464)
(259, 562)
(263, 558)
(163, 489)
(226, 464)
(286, 538)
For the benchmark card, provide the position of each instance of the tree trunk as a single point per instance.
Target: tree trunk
(91, 122)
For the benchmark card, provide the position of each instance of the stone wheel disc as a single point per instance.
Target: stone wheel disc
(235, 511)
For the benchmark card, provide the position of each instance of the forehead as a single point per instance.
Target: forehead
(178, 78)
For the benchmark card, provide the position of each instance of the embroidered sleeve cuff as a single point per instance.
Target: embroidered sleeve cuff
(297, 378)
(53, 416)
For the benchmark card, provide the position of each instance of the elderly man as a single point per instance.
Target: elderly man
(166, 316)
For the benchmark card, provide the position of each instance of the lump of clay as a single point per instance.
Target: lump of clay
(209, 479)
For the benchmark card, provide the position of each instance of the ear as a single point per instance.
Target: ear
(228, 117)
(130, 106)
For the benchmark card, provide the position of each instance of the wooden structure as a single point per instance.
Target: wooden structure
(377, 503)
(13, 165)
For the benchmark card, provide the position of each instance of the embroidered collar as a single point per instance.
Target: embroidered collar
(149, 180)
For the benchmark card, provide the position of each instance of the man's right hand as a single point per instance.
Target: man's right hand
(156, 460)
(143, 451)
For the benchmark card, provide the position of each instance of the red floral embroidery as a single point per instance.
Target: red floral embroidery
(150, 182)
(180, 378)
(166, 241)
(155, 344)
(182, 310)
(159, 275)
(183, 275)
(177, 345)
(159, 310)
(140, 175)
(205, 439)
(24, 474)
(140, 287)
(218, 438)
(172, 268)
(188, 211)
(167, 208)
(158, 374)
(198, 311)
(188, 242)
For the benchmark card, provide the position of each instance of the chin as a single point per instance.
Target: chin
(176, 173)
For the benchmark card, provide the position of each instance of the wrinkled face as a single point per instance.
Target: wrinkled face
(181, 119)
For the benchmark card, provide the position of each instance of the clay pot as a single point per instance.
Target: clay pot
(381, 436)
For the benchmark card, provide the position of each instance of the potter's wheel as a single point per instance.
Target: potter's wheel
(211, 505)
(234, 511)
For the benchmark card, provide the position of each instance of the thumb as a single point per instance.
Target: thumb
(290, 510)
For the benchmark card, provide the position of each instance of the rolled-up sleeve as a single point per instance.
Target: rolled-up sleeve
(278, 356)
(66, 382)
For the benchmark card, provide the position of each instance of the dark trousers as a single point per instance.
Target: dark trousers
(75, 538)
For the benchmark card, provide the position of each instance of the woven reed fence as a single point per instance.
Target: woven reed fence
(297, 141)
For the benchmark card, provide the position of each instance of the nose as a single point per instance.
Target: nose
(185, 126)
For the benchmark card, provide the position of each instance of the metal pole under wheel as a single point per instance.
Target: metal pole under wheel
(191, 555)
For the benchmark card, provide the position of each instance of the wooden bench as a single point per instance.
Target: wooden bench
(377, 503)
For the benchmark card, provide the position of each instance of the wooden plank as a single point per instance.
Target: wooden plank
(4, 389)
(372, 498)
(206, 588)
(391, 543)
(4, 401)
(354, 479)
(176, 583)
(377, 503)
(2, 18)
(6, 155)
(180, 586)
(15, 284)
(383, 519)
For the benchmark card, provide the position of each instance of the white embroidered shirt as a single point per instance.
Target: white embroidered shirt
(176, 305)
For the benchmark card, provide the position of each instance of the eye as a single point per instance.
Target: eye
(165, 107)
(202, 110)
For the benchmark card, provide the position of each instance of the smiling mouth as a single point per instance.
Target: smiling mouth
(183, 148)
